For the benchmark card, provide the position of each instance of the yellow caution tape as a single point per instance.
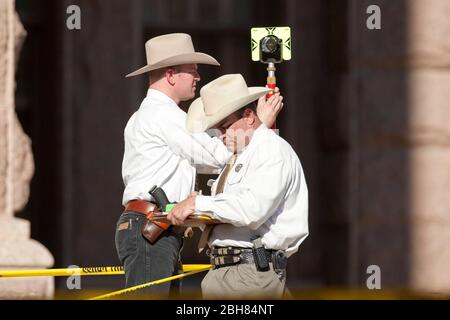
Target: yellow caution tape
(89, 271)
(109, 295)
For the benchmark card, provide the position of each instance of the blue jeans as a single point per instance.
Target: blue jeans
(144, 262)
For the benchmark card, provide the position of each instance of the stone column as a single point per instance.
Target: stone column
(400, 80)
(429, 95)
(17, 250)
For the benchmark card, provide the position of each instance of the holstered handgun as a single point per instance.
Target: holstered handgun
(151, 230)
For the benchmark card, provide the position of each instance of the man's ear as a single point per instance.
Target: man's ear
(170, 76)
(249, 116)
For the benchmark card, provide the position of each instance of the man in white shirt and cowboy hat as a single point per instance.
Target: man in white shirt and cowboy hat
(160, 151)
(261, 196)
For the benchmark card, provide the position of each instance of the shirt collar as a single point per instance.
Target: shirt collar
(259, 132)
(158, 95)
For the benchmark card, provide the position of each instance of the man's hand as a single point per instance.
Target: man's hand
(182, 210)
(268, 110)
(189, 232)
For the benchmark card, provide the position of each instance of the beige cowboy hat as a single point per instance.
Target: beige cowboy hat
(172, 50)
(220, 98)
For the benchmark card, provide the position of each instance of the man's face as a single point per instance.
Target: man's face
(235, 133)
(185, 81)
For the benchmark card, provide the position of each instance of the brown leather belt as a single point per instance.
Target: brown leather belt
(140, 206)
(147, 207)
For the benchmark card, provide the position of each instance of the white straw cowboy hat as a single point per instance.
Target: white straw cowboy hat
(171, 50)
(220, 98)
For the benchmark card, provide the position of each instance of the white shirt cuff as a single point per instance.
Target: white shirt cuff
(204, 203)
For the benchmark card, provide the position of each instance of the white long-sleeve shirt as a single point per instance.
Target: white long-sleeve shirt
(265, 194)
(160, 151)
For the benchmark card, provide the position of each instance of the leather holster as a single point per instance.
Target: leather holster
(151, 231)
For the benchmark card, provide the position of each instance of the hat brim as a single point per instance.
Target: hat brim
(187, 58)
(198, 121)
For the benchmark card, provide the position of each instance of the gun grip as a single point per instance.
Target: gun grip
(160, 197)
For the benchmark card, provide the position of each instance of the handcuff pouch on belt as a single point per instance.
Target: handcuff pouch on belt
(277, 257)
(279, 261)
(259, 255)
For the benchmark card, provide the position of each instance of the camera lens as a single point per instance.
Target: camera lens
(269, 44)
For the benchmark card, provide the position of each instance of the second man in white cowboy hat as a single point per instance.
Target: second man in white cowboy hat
(261, 196)
(160, 151)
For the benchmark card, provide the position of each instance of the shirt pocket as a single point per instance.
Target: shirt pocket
(236, 174)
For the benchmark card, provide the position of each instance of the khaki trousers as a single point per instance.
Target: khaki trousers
(243, 281)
